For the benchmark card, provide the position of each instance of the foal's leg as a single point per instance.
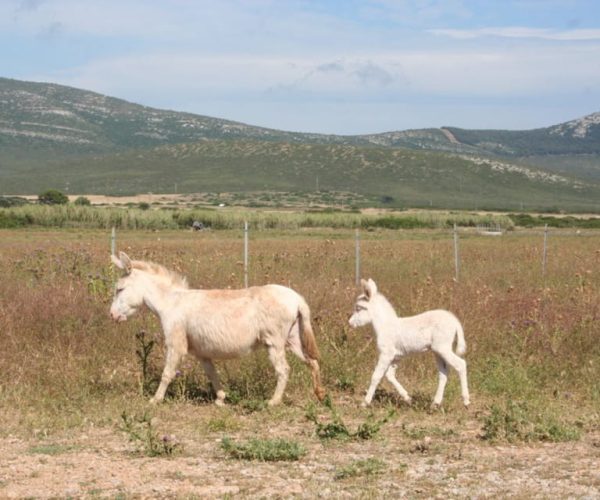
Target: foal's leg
(443, 378)
(176, 349)
(282, 369)
(383, 364)
(211, 373)
(460, 365)
(390, 374)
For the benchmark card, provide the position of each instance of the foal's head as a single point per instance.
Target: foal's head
(138, 277)
(363, 308)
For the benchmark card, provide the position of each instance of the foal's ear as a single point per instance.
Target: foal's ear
(369, 287)
(122, 262)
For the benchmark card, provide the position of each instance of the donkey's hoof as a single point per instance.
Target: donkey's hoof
(408, 401)
(364, 404)
(220, 402)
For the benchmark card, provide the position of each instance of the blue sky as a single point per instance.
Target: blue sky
(343, 67)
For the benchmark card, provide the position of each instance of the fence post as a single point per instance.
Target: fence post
(113, 237)
(456, 256)
(545, 252)
(357, 257)
(245, 254)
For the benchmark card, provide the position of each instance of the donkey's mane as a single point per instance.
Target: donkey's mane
(151, 267)
(383, 300)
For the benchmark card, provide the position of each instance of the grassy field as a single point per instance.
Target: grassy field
(74, 391)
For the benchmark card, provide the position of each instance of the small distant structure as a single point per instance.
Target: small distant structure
(490, 230)
(198, 226)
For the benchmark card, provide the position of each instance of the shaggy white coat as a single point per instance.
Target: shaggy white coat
(397, 337)
(218, 324)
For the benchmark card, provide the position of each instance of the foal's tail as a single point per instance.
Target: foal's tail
(461, 345)
(309, 347)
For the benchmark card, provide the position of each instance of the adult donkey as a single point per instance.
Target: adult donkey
(218, 324)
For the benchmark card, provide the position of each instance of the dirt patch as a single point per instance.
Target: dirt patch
(102, 462)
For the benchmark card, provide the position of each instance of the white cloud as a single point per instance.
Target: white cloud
(521, 32)
(489, 72)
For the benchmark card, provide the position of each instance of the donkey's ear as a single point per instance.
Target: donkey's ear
(370, 288)
(122, 262)
(363, 285)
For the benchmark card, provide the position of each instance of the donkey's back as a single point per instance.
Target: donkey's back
(224, 324)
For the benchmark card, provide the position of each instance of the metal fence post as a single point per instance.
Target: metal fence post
(113, 237)
(357, 257)
(245, 254)
(456, 255)
(545, 251)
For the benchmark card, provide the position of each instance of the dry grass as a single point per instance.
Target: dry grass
(530, 339)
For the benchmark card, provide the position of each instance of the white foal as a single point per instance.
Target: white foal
(397, 337)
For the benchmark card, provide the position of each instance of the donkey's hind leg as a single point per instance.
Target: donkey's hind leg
(211, 373)
(460, 365)
(390, 374)
(282, 369)
(294, 344)
(443, 378)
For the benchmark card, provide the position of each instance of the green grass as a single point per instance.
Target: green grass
(79, 217)
(264, 450)
(360, 468)
(518, 421)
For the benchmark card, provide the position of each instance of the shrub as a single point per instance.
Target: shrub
(142, 432)
(53, 197)
(82, 201)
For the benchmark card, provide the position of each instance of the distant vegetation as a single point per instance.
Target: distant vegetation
(138, 218)
(87, 143)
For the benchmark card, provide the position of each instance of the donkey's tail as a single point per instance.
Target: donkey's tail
(461, 345)
(309, 347)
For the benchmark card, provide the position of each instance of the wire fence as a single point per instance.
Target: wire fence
(454, 237)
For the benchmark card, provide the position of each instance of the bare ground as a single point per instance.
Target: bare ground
(101, 462)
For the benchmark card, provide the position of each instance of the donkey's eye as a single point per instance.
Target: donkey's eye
(119, 290)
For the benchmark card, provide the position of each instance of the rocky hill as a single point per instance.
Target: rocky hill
(56, 136)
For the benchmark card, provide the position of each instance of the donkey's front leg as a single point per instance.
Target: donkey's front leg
(212, 375)
(176, 349)
(382, 365)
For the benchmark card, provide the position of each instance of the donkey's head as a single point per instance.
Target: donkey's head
(129, 291)
(362, 309)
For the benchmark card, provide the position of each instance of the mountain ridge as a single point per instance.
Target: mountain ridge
(54, 136)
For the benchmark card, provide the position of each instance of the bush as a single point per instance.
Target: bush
(82, 201)
(53, 197)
